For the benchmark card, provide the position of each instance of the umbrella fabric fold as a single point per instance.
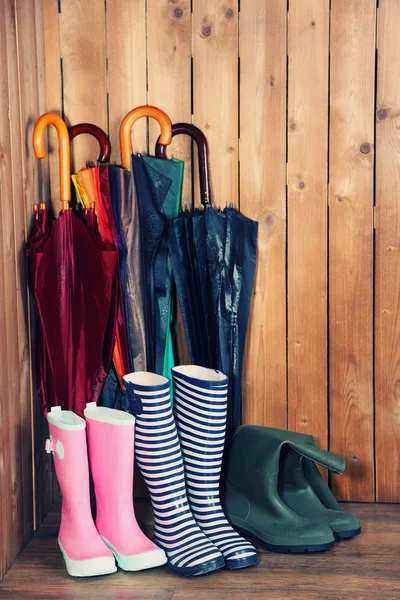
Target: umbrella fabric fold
(129, 219)
(158, 189)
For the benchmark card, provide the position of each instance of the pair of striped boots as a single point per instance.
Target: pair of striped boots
(179, 452)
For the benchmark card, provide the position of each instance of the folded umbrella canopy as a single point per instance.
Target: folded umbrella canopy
(72, 276)
(158, 186)
(213, 255)
(93, 187)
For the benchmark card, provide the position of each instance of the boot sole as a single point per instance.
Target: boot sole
(202, 569)
(138, 562)
(91, 567)
(240, 563)
(278, 548)
(297, 549)
(346, 535)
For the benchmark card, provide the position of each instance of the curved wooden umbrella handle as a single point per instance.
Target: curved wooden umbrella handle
(63, 151)
(127, 124)
(202, 150)
(99, 134)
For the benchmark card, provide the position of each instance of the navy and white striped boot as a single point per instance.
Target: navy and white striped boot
(200, 407)
(159, 457)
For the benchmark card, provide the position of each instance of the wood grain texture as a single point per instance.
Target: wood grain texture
(83, 52)
(215, 91)
(169, 87)
(17, 182)
(6, 537)
(263, 198)
(169, 75)
(126, 74)
(53, 90)
(31, 21)
(387, 273)
(351, 243)
(360, 569)
(308, 45)
(10, 184)
(26, 186)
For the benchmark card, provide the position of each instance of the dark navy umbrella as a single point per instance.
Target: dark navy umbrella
(213, 256)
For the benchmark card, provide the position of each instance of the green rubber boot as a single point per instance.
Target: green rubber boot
(252, 502)
(302, 487)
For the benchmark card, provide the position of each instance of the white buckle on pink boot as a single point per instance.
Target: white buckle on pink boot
(111, 451)
(84, 551)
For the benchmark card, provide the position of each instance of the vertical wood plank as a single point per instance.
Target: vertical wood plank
(5, 465)
(351, 243)
(215, 91)
(169, 75)
(47, 491)
(26, 188)
(13, 457)
(308, 48)
(83, 51)
(169, 87)
(126, 75)
(262, 52)
(387, 283)
(36, 177)
(53, 91)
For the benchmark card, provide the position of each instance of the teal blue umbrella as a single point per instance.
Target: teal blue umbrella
(158, 186)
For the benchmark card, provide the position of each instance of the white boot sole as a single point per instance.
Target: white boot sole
(138, 562)
(91, 567)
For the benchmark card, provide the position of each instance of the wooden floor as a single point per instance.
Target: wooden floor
(365, 568)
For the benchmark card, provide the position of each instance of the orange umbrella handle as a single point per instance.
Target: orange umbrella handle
(131, 118)
(63, 142)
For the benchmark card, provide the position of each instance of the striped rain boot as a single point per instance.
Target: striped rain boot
(158, 455)
(200, 407)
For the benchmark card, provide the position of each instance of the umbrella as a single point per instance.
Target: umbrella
(127, 216)
(158, 187)
(93, 184)
(72, 275)
(189, 266)
(213, 256)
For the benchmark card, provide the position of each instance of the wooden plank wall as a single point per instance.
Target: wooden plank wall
(300, 106)
(290, 96)
(21, 98)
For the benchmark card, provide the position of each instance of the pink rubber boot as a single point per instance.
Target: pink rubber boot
(111, 447)
(84, 551)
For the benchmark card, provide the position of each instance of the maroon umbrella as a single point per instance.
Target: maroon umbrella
(72, 276)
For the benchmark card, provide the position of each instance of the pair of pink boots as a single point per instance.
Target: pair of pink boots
(90, 549)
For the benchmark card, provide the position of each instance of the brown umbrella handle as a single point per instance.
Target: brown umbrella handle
(99, 134)
(202, 150)
(63, 150)
(131, 118)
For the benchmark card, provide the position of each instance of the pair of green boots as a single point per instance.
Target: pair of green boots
(275, 491)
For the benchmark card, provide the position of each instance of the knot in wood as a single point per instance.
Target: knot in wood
(365, 148)
(382, 114)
